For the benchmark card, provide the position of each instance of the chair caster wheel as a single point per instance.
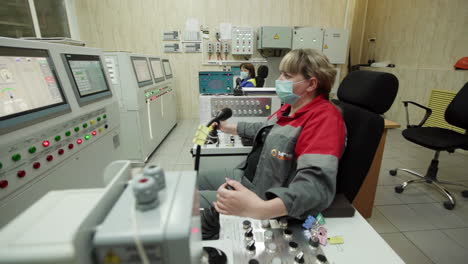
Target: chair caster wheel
(398, 189)
(465, 193)
(393, 172)
(448, 205)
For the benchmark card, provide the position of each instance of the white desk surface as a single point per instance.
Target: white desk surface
(362, 244)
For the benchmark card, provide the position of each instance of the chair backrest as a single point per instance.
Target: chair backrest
(262, 74)
(364, 125)
(457, 111)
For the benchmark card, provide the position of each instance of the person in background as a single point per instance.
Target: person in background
(247, 73)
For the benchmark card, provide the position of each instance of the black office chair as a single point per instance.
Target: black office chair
(438, 139)
(363, 97)
(262, 74)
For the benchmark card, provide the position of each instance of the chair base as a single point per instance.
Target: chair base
(430, 178)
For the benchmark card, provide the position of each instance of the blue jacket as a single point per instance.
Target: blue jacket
(250, 82)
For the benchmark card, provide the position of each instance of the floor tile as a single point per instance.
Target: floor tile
(460, 235)
(406, 249)
(438, 216)
(385, 195)
(380, 223)
(439, 247)
(404, 218)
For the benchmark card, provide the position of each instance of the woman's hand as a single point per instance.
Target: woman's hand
(240, 201)
(225, 127)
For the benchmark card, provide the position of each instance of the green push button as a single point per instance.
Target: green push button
(57, 138)
(1, 165)
(86, 137)
(104, 116)
(32, 150)
(16, 157)
(85, 125)
(68, 133)
(77, 129)
(98, 119)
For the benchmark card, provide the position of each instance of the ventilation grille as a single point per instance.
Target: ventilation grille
(438, 102)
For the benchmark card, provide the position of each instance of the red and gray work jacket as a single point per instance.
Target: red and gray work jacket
(297, 160)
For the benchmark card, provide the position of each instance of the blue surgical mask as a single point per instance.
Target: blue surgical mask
(244, 75)
(284, 90)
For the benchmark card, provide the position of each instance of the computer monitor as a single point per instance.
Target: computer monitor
(88, 77)
(156, 67)
(167, 69)
(142, 71)
(30, 90)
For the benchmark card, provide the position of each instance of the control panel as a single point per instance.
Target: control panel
(251, 108)
(166, 211)
(154, 93)
(242, 41)
(26, 160)
(211, 82)
(270, 241)
(241, 106)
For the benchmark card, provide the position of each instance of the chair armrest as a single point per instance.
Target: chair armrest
(426, 116)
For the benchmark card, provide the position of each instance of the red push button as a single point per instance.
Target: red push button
(45, 143)
(79, 141)
(61, 151)
(21, 174)
(70, 146)
(49, 158)
(36, 165)
(3, 184)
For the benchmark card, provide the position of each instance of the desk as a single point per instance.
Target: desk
(364, 200)
(362, 244)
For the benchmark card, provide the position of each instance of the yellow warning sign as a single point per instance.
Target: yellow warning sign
(326, 46)
(276, 36)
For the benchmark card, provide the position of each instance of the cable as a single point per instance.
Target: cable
(136, 238)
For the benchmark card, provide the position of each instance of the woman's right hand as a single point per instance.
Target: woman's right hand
(226, 127)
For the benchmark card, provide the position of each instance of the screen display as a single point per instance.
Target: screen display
(27, 81)
(167, 68)
(88, 74)
(157, 69)
(141, 70)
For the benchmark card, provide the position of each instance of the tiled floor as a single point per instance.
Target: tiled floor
(413, 223)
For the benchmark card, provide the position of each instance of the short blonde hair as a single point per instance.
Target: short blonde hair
(310, 63)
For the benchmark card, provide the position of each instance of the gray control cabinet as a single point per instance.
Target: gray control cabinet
(274, 38)
(307, 38)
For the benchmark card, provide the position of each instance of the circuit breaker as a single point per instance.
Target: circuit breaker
(335, 43)
(242, 41)
(307, 38)
(274, 38)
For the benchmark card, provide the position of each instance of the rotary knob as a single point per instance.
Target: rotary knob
(293, 246)
(314, 242)
(251, 246)
(146, 192)
(287, 234)
(272, 247)
(283, 223)
(299, 258)
(157, 174)
(268, 235)
(246, 224)
(249, 234)
(321, 258)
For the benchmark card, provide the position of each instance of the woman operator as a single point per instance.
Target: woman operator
(247, 74)
(293, 164)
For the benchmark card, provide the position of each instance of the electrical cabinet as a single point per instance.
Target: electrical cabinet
(242, 41)
(335, 43)
(274, 38)
(307, 38)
